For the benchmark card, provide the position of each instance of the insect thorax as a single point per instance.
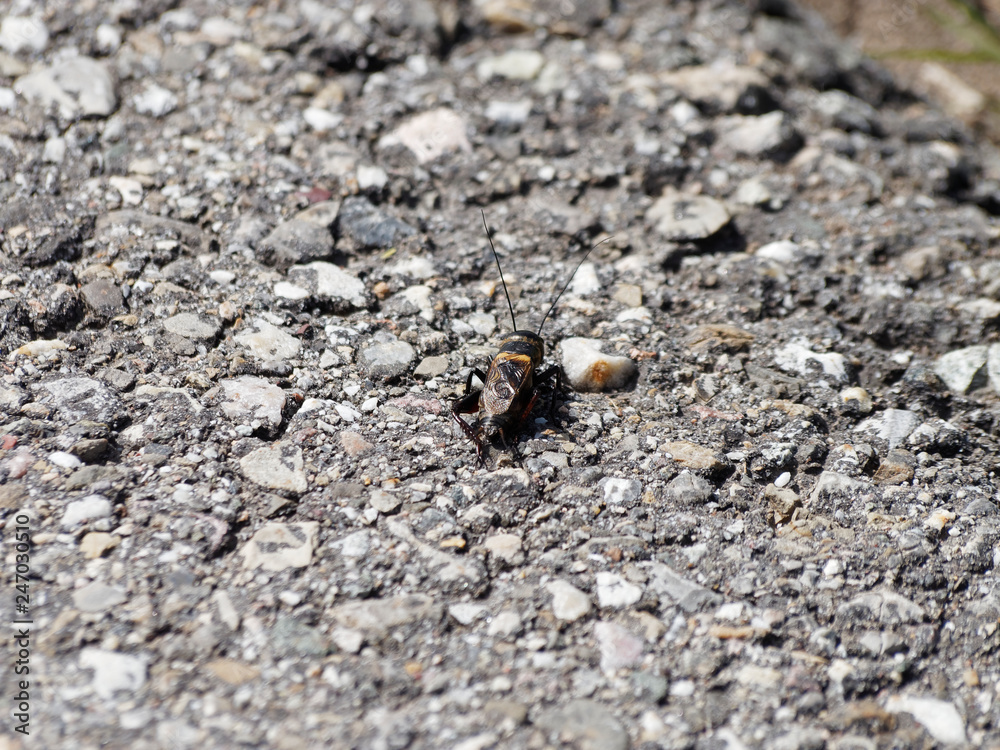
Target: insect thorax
(527, 343)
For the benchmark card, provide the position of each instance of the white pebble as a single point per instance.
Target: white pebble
(38, 347)
(222, 278)
(587, 369)
(938, 519)
(8, 99)
(155, 100)
(615, 592)
(54, 151)
(371, 177)
(782, 251)
(321, 120)
(65, 460)
(857, 394)
(568, 602)
(88, 509)
(833, 567)
(290, 291)
(585, 280)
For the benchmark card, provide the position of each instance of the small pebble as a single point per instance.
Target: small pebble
(615, 592)
(588, 370)
(90, 508)
(568, 602)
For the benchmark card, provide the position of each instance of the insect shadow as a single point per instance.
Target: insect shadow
(510, 384)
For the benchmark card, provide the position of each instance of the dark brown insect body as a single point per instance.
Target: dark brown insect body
(510, 385)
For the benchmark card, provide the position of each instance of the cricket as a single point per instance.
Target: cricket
(510, 384)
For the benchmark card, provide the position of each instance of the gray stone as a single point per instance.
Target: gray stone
(963, 370)
(482, 323)
(269, 342)
(277, 467)
(388, 358)
(619, 491)
(78, 398)
(980, 507)
(376, 617)
(719, 87)
(993, 366)
(277, 546)
(385, 502)
(54, 151)
(841, 110)
(431, 367)
(192, 326)
(114, 671)
(688, 488)
(506, 547)
(290, 637)
(509, 113)
(756, 192)
(368, 226)
(770, 136)
(296, 241)
(64, 460)
(650, 688)
(557, 459)
(248, 398)
(76, 86)
(796, 357)
(330, 284)
(97, 597)
(584, 724)
(356, 545)
(430, 135)
(784, 252)
(348, 640)
(688, 595)
(504, 624)
(515, 64)
(417, 267)
(103, 298)
(687, 217)
(467, 613)
(884, 607)
(892, 425)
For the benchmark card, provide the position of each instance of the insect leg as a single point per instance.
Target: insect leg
(469, 404)
(475, 372)
(556, 372)
(467, 429)
(512, 447)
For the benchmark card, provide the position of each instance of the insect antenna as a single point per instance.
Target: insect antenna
(497, 259)
(566, 285)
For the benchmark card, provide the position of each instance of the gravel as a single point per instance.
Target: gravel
(244, 278)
